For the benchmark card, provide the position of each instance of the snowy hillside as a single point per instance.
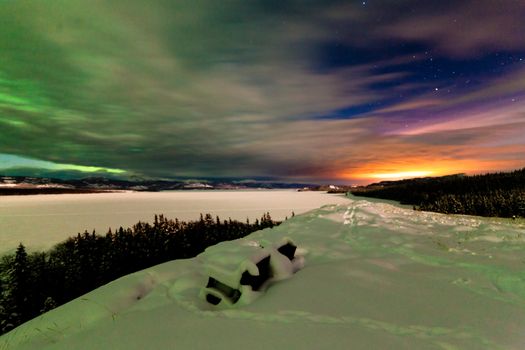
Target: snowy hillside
(368, 275)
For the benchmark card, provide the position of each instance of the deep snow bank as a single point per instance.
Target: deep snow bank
(375, 276)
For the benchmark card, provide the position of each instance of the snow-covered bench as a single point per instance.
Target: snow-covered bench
(238, 276)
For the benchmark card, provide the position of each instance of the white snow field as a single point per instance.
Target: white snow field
(41, 221)
(372, 276)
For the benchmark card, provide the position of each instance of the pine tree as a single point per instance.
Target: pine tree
(30, 285)
(49, 304)
(17, 293)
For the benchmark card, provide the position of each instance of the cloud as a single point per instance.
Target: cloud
(466, 29)
(167, 103)
(235, 88)
(458, 29)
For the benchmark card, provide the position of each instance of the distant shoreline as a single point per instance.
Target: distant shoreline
(22, 185)
(31, 191)
(49, 190)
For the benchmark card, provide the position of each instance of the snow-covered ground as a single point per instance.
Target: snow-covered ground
(374, 276)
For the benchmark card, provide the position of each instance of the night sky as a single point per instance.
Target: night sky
(346, 91)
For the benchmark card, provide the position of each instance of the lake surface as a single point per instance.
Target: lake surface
(41, 221)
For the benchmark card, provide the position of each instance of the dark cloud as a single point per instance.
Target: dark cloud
(302, 89)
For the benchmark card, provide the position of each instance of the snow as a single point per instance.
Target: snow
(373, 276)
(243, 270)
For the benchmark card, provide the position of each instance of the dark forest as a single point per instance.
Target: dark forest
(498, 195)
(33, 283)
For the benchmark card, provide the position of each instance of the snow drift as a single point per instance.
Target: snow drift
(365, 275)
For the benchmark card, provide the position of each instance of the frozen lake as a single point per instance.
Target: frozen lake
(41, 221)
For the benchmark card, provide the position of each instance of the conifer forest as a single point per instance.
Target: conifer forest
(36, 282)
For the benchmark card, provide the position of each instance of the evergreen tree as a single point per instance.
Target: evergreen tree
(17, 297)
(501, 194)
(31, 285)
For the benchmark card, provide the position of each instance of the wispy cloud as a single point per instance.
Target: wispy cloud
(463, 29)
(241, 89)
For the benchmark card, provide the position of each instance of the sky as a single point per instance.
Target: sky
(347, 91)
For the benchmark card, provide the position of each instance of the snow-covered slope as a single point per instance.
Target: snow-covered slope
(375, 276)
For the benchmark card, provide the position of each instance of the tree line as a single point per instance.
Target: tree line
(499, 194)
(31, 284)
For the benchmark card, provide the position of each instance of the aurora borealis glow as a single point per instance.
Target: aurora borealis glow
(302, 90)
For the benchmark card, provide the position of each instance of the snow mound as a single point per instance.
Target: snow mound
(238, 276)
(365, 275)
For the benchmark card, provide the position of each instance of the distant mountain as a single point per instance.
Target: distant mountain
(34, 185)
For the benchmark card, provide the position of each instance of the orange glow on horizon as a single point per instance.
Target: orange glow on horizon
(402, 175)
(413, 168)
